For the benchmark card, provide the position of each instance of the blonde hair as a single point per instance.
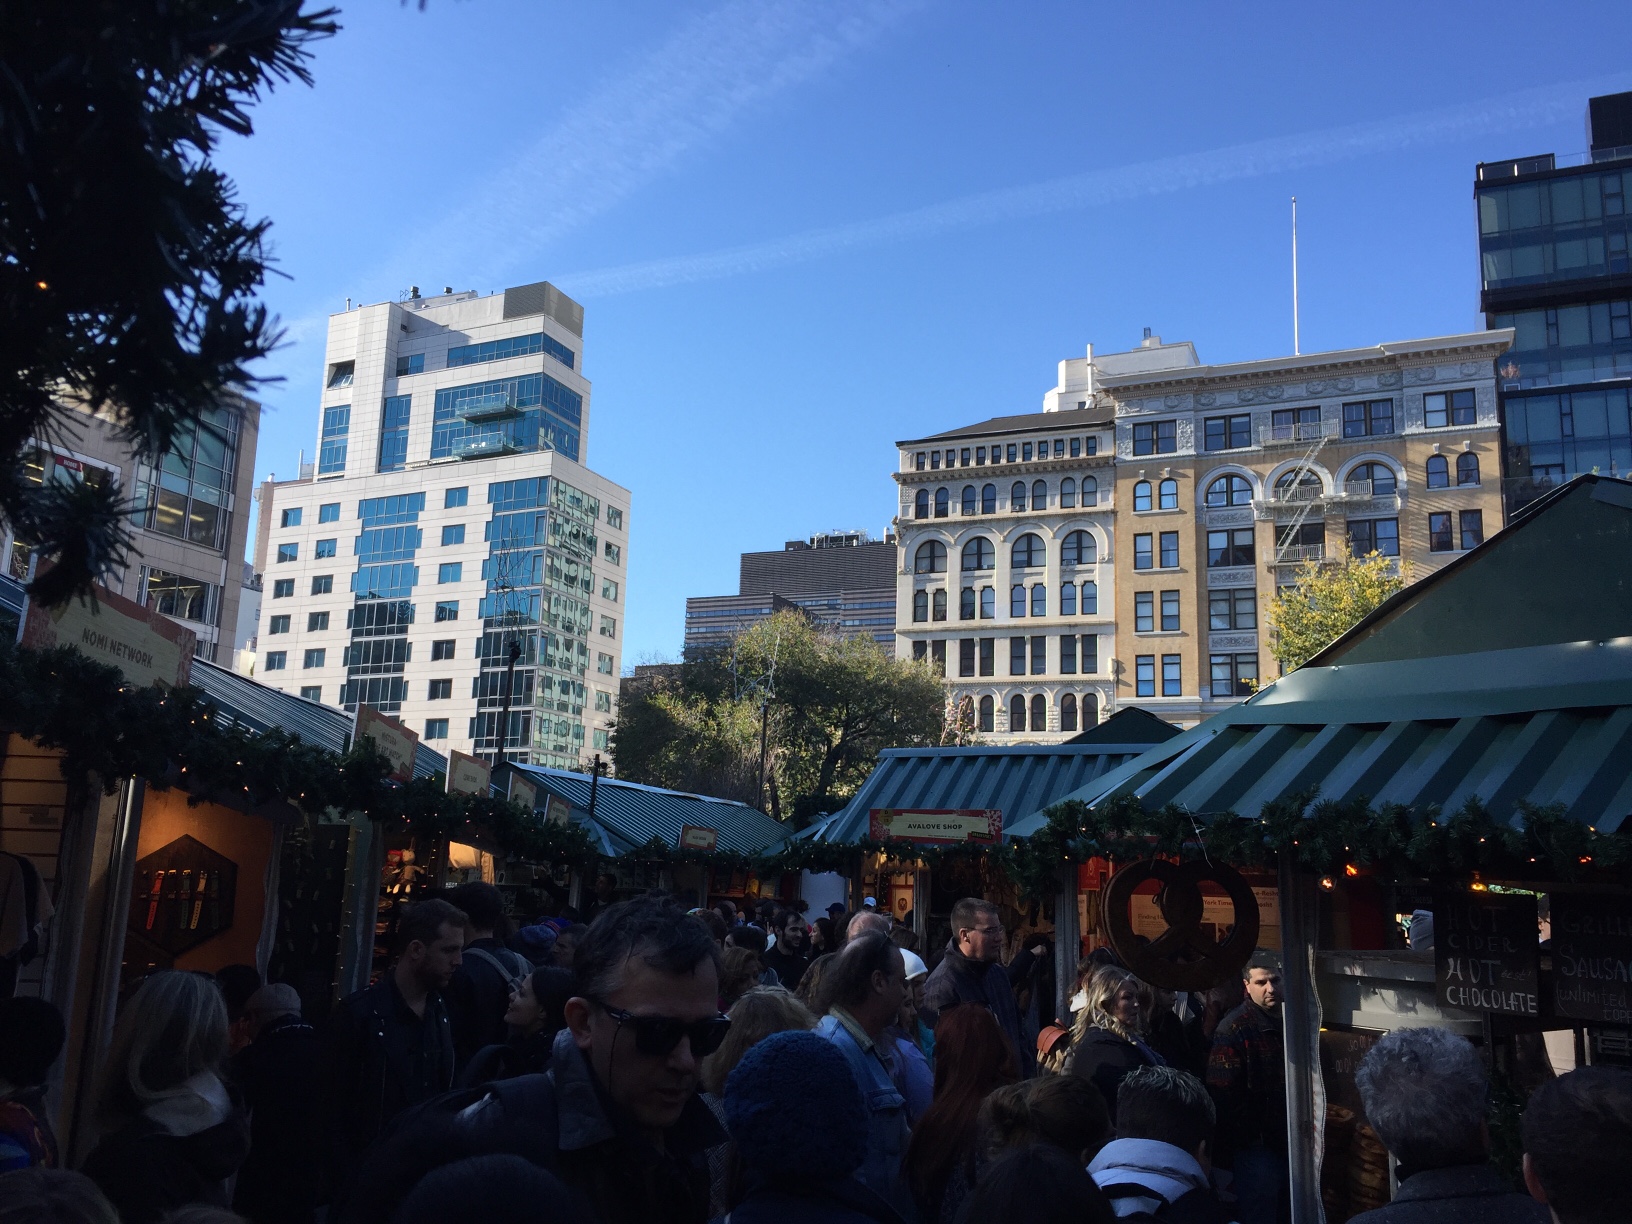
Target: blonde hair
(1108, 982)
(173, 1028)
(759, 1013)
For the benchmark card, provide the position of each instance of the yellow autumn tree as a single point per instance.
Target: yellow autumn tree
(1327, 600)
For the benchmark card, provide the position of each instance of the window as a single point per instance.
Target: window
(603, 701)
(331, 454)
(603, 664)
(930, 558)
(1076, 448)
(609, 627)
(1012, 453)
(978, 554)
(1090, 490)
(453, 498)
(1143, 553)
(311, 692)
(453, 533)
(609, 590)
(1090, 653)
(937, 657)
(614, 517)
(966, 656)
(1232, 609)
(436, 728)
(325, 548)
(988, 653)
(530, 412)
(1298, 484)
(1039, 495)
(1368, 418)
(938, 604)
(1229, 491)
(277, 660)
(968, 505)
(1039, 712)
(988, 499)
(1068, 655)
(1230, 548)
(918, 461)
(920, 606)
(1027, 552)
(1167, 495)
(1169, 541)
(980, 454)
(986, 714)
(1156, 438)
(1371, 480)
(1439, 533)
(442, 649)
(1141, 496)
(328, 512)
(316, 621)
(1470, 526)
(943, 502)
(1144, 612)
(341, 374)
(439, 690)
(1439, 472)
(1039, 655)
(449, 571)
(1068, 712)
(1079, 548)
(1025, 451)
(1017, 656)
(1442, 408)
(934, 461)
(1039, 600)
(1170, 611)
(393, 455)
(1295, 424)
(410, 363)
(1090, 599)
(988, 603)
(1068, 599)
(447, 610)
(920, 504)
(963, 457)
(512, 346)
(1144, 676)
(1017, 496)
(1467, 468)
(1227, 432)
(322, 584)
(1234, 675)
(1017, 713)
(290, 518)
(283, 588)
(1017, 600)
(966, 604)
(314, 658)
(1367, 536)
(1068, 493)
(1172, 678)
(288, 552)
(612, 553)
(920, 651)
(278, 624)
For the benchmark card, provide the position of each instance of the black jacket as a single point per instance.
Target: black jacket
(845, 1202)
(517, 1056)
(957, 979)
(479, 995)
(1104, 1059)
(1463, 1194)
(280, 1075)
(788, 969)
(147, 1172)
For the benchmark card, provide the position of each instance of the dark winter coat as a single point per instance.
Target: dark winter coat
(1247, 1077)
(146, 1172)
(1104, 1060)
(788, 969)
(517, 1056)
(280, 1076)
(1462, 1194)
(846, 1202)
(479, 995)
(957, 979)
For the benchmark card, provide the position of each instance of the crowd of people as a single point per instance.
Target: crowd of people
(656, 1065)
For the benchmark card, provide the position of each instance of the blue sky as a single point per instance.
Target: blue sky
(802, 230)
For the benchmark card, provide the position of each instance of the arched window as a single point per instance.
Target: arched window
(1039, 713)
(1141, 495)
(1090, 491)
(1467, 468)
(920, 605)
(966, 604)
(1027, 552)
(1229, 490)
(1439, 472)
(1297, 484)
(1039, 495)
(1371, 480)
(1017, 713)
(943, 500)
(1068, 493)
(988, 499)
(979, 554)
(1167, 495)
(1017, 600)
(930, 558)
(988, 603)
(1090, 710)
(1039, 599)
(1068, 599)
(1090, 599)
(968, 499)
(920, 504)
(1068, 712)
(938, 603)
(1080, 548)
(1017, 496)
(985, 713)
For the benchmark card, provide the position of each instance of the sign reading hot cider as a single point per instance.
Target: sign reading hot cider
(1487, 955)
(1592, 958)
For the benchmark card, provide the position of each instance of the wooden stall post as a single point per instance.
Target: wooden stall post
(1067, 944)
(1300, 1026)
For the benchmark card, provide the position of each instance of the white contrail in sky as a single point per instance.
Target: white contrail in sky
(1512, 112)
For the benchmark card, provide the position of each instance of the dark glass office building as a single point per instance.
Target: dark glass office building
(1554, 232)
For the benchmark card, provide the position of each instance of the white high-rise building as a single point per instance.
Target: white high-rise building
(449, 522)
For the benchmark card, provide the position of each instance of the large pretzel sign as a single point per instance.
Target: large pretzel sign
(1183, 957)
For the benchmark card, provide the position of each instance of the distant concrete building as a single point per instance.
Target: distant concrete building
(249, 620)
(843, 580)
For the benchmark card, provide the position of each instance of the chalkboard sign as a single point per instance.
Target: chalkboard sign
(1592, 958)
(1486, 954)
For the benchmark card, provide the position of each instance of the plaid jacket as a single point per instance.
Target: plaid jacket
(1247, 1078)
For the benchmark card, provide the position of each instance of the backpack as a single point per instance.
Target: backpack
(1195, 1206)
(512, 966)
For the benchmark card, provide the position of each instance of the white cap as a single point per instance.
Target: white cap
(915, 964)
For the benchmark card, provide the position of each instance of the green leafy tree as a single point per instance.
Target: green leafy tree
(1327, 601)
(128, 268)
(685, 739)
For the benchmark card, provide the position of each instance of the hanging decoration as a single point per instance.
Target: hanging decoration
(1183, 957)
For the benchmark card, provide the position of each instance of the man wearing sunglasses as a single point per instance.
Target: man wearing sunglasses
(617, 1116)
(972, 972)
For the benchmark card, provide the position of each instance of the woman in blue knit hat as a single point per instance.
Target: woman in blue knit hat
(797, 1117)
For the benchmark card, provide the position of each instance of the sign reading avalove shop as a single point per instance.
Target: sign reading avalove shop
(936, 825)
(1487, 955)
(146, 647)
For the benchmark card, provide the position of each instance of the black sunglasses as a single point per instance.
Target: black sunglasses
(656, 1036)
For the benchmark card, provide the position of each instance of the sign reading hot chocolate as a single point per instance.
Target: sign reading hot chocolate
(1487, 954)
